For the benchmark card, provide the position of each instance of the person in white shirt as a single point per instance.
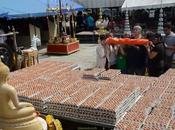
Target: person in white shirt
(101, 53)
(111, 54)
(105, 22)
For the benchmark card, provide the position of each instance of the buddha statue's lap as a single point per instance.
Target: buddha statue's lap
(9, 110)
(14, 115)
(18, 113)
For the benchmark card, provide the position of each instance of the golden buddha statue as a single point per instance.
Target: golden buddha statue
(100, 25)
(14, 115)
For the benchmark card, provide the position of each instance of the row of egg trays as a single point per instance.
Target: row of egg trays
(137, 113)
(37, 69)
(127, 104)
(44, 95)
(163, 113)
(110, 74)
(38, 104)
(172, 124)
(40, 69)
(127, 117)
(117, 97)
(101, 96)
(169, 73)
(33, 81)
(54, 73)
(91, 112)
(93, 72)
(97, 73)
(131, 125)
(38, 86)
(125, 125)
(150, 124)
(84, 113)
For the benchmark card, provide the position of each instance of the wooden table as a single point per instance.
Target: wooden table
(61, 48)
(30, 57)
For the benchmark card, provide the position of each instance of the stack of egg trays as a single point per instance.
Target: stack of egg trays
(172, 124)
(63, 110)
(153, 126)
(110, 74)
(93, 73)
(169, 73)
(127, 125)
(100, 116)
(127, 103)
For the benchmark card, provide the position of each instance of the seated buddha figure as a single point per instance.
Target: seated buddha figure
(11, 110)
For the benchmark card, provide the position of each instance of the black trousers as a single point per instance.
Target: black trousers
(136, 70)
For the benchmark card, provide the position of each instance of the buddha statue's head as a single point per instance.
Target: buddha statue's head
(4, 72)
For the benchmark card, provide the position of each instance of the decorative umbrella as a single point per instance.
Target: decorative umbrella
(160, 24)
(127, 29)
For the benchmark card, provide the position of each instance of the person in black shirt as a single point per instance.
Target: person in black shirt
(136, 55)
(80, 23)
(156, 55)
(136, 59)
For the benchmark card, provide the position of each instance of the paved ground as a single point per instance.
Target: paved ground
(85, 58)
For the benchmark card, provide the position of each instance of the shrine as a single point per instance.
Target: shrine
(60, 42)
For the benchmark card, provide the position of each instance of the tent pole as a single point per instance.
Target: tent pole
(64, 18)
(48, 26)
(60, 19)
(48, 22)
(58, 26)
(34, 27)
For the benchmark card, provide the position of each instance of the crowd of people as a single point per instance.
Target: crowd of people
(87, 22)
(152, 59)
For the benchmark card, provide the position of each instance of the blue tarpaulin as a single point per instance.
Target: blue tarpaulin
(14, 9)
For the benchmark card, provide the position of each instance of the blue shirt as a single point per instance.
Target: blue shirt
(90, 21)
(170, 41)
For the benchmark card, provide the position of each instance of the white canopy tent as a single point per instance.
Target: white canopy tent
(100, 3)
(146, 4)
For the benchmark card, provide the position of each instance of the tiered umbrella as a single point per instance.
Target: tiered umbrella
(127, 29)
(160, 24)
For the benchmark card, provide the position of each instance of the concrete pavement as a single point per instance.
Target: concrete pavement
(85, 58)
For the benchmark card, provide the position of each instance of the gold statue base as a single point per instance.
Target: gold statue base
(29, 123)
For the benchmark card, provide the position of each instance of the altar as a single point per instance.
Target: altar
(87, 36)
(62, 48)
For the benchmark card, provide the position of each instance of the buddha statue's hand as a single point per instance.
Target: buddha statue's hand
(25, 104)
